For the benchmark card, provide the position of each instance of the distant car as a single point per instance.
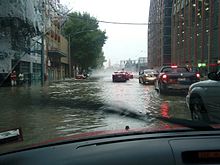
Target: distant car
(148, 76)
(175, 79)
(80, 76)
(119, 76)
(127, 75)
(131, 75)
(203, 99)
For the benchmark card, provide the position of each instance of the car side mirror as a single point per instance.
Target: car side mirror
(213, 76)
(10, 136)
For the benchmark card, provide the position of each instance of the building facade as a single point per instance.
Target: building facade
(142, 64)
(57, 54)
(159, 33)
(24, 24)
(195, 34)
(18, 30)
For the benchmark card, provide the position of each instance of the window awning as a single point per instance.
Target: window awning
(56, 53)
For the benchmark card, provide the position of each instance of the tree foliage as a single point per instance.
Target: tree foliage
(86, 40)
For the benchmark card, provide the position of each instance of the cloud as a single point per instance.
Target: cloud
(124, 41)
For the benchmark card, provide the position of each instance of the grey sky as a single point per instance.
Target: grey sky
(124, 41)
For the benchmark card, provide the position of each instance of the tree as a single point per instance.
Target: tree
(100, 61)
(86, 40)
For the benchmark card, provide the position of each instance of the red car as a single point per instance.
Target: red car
(129, 75)
(80, 76)
(119, 76)
(188, 143)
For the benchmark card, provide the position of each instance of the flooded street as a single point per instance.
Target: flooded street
(75, 106)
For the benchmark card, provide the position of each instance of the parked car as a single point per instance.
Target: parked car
(119, 76)
(175, 78)
(148, 76)
(80, 76)
(203, 99)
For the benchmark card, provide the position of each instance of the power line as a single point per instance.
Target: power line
(123, 23)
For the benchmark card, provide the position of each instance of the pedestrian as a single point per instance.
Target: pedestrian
(13, 78)
(21, 78)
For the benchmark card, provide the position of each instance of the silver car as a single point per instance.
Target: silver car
(148, 76)
(203, 99)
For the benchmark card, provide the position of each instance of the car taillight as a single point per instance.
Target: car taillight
(197, 75)
(164, 77)
(174, 66)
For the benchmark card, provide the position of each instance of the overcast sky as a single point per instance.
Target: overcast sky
(124, 41)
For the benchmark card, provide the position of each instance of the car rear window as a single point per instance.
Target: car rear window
(175, 70)
(150, 71)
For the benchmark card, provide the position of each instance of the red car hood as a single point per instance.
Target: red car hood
(115, 133)
(111, 133)
(108, 134)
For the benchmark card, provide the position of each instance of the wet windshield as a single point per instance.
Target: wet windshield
(76, 66)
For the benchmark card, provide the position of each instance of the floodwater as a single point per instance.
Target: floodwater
(75, 106)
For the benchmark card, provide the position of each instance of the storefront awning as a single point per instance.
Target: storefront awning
(56, 53)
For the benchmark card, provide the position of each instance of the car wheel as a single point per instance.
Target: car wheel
(198, 111)
(161, 89)
(156, 86)
(141, 80)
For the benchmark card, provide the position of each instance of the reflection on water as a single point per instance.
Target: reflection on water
(70, 107)
(164, 109)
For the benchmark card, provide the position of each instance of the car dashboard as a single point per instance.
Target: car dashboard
(181, 147)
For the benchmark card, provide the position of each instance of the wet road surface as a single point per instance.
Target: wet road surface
(75, 106)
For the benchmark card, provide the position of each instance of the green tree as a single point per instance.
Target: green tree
(86, 40)
(100, 61)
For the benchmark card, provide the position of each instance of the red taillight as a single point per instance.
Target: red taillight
(174, 66)
(164, 77)
(197, 75)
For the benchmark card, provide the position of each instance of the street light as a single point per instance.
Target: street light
(69, 36)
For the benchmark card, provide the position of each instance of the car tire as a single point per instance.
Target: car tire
(141, 80)
(161, 90)
(198, 111)
(156, 86)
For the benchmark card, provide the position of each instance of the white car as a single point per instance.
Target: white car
(203, 99)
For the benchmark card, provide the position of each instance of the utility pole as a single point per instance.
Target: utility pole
(209, 50)
(42, 45)
(42, 60)
(69, 55)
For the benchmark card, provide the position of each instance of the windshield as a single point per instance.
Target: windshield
(73, 66)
